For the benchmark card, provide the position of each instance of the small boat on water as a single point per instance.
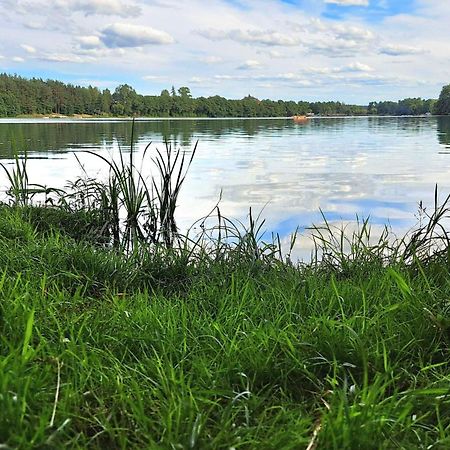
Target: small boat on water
(300, 119)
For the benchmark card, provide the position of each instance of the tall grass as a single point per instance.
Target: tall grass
(149, 205)
(99, 350)
(216, 342)
(134, 211)
(20, 191)
(338, 249)
(19, 188)
(172, 173)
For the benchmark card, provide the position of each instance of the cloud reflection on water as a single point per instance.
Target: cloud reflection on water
(371, 167)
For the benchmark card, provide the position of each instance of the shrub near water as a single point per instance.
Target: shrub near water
(103, 350)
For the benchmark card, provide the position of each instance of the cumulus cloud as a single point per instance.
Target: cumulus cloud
(28, 48)
(198, 80)
(335, 48)
(252, 36)
(250, 64)
(352, 32)
(289, 79)
(120, 8)
(337, 39)
(344, 30)
(65, 58)
(273, 54)
(349, 2)
(401, 50)
(153, 78)
(289, 76)
(356, 67)
(372, 79)
(88, 42)
(90, 54)
(230, 77)
(102, 7)
(129, 35)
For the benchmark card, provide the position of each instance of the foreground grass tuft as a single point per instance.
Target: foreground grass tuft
(99, 349)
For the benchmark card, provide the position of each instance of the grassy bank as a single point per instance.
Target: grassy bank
(116, 332)
(102, 350)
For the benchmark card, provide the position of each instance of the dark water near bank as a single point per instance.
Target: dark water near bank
(377, 167)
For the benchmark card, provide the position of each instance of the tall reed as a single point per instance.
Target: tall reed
(137, 210)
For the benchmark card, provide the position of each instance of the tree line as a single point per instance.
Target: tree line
(405, 107)
(21, 96)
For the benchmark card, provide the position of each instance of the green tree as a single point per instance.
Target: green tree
(443, 104)
(106, 101)
(125, 100)
(165, 103)
(184, 102)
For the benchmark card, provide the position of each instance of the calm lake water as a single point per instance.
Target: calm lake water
(377, 167)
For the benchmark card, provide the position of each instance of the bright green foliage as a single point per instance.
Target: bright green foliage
(443, 104)
(156, 350)
(406, 107)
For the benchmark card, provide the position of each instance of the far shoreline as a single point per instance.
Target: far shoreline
(86, 117)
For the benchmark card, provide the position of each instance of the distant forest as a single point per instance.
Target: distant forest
(21, 96)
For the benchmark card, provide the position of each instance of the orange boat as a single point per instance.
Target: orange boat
(300, 119)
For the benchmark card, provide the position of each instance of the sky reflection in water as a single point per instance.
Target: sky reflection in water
(371, 167)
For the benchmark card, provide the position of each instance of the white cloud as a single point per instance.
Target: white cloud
(34, 25)
(198, 80)
(335, 48)
(349, 2)
(230, 77)
(370, 79)
(65, 58)
(356, 67)
(337, 39)
(18, 59)
(250, 64)
(285, 77)
(349, 68)
(103, 84)
(120, 8)
(251, 36)
(28, 48)
(355, 75)
(130, 35)
(92, 53)
(273, 54)
(153, 78)
(352, 32)
(400, 50)
(88, 42)
(103, 7)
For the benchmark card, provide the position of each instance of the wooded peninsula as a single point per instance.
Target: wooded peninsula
(20, 96)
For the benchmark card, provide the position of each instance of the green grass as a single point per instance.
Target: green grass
(161, 350)
(116, 332)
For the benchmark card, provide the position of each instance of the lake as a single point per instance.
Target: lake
(370, 166)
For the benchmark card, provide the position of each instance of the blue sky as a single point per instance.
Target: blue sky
(375, 11)
(349, 50)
